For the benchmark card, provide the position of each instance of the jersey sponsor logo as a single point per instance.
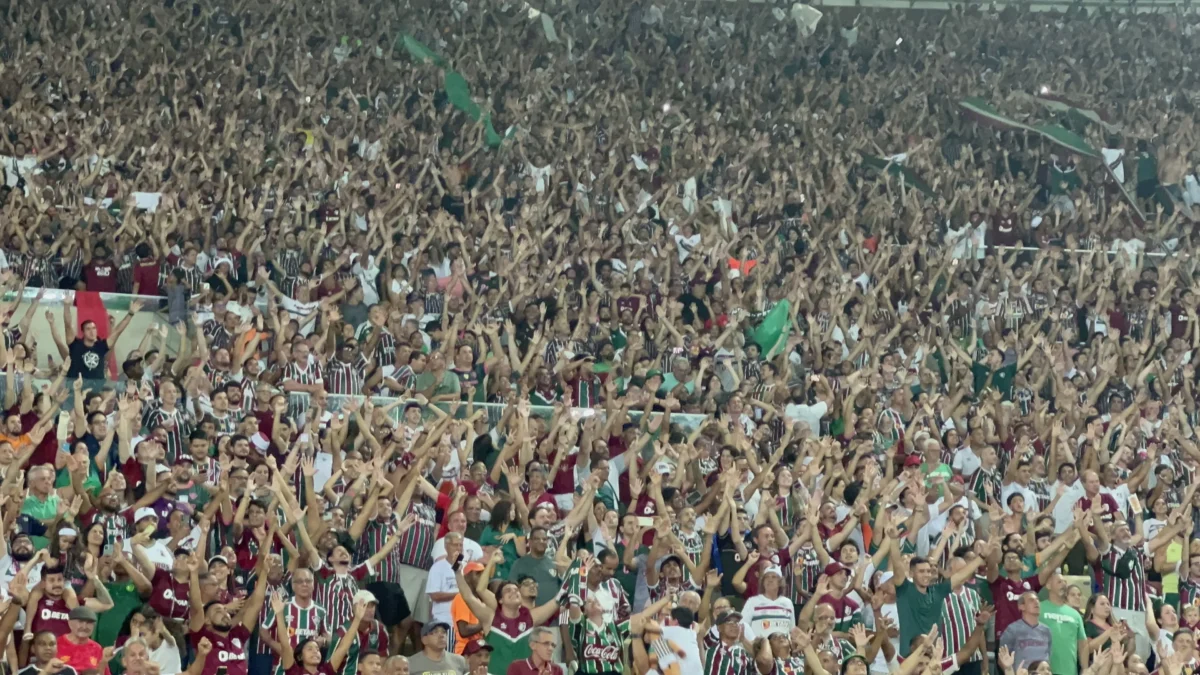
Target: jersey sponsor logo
(596, 652)
(225, 656)
(169, 594)
(47, 614)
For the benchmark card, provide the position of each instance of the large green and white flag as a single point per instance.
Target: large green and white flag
(457, 89)
(903, 173)
(1078, 116)
(1068, 139)
(985, 113)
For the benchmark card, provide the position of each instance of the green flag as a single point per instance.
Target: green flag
(459, 93)
(985, 113)
(1068, 139)
(910, 178)
(774, 327)
(420, 52)
(457, 89)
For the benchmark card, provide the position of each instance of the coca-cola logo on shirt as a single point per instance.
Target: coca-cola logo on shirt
(602, 653)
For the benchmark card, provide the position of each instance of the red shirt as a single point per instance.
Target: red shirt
(228, 651)
(101, 276)
(82, 657)
(145, 277)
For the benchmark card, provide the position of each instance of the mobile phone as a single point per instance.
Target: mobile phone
(1135, 503)
(645, 521)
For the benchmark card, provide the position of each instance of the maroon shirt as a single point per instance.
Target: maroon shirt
(1006, 595)
(47, 450)
(145, 277)
(526, 667)
(1108, 506)
(101, 276)
(169, 597)
(228, 651)
(782, 558)
(51, 615)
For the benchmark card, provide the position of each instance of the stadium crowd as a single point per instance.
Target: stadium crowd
(699, 340)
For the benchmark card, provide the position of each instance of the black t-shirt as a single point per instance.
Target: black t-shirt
(32, 669)
(87, 361)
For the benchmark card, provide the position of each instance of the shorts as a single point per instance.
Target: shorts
(393, 604)
(412, 583)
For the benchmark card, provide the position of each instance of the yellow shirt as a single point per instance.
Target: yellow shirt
(1170, 582)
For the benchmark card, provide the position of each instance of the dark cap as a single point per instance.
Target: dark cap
(82, 613)
(476, 646)
(434, 625)
(730, 616)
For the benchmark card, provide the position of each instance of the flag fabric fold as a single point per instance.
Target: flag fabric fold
(900, 171)
(458, 91)
(774, 328)
(985, 113)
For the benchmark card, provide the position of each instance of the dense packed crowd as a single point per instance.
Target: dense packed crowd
(625, 338)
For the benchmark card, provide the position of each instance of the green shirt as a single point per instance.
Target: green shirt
(195, 495)
(38, 509)
(491, 537)
(1000, 379)
(918, 612)
(1066, 630)
(126, 600)
(447, 385)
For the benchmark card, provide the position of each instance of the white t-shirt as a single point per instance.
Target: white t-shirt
(763, 617)
(158, 553)
(441, 580)
(809, 414)
(1029, 495)
(966, 462)
(1120, 494)
(300, 311)
(686, 639)
(471, 550)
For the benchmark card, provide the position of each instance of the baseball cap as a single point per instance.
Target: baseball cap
(476, 646)
(833, 568)
(218, 559)
(184, 459)
(913, 460)
(260, 442)
(771, 569)
(726, 617)
(472, 567)
(82, 613)
(365, 596)
(850, 658)
(144, 512)
(432, 626)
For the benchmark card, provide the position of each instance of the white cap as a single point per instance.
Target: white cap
(260, 441)
(144, 512)
(365, 596)
(772, 569)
